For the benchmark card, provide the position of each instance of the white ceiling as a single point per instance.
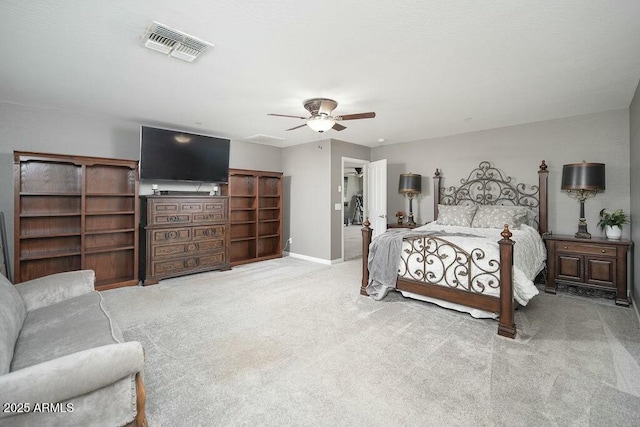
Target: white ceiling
(427, 68)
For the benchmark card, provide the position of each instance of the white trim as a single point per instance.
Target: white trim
(308, 258)
(364, 198)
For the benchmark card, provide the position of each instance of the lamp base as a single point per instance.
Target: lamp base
(581, 235)
(582, 230)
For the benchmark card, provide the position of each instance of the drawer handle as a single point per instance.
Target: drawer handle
(604, 251)
(566, 247)
(191, 262)
(171, 235)
(209, 232)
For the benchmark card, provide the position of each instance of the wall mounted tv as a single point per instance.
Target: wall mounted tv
(180, 156)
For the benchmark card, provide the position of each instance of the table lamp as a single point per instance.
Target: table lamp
(410, 186)
(582, 181)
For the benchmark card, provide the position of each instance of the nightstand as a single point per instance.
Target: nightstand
(405, 225)
(596, 263)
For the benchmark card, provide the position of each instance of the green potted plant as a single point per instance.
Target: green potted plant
(611, 222)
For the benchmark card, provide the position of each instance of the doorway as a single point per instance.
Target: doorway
(353, 209)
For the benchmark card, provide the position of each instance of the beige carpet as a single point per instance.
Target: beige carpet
(290, 342)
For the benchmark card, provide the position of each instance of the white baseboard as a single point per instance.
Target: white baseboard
(308, 258)
(635, 307)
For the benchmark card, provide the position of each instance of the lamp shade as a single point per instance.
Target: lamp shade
(410, 183)
(583, 176)
(321, 123)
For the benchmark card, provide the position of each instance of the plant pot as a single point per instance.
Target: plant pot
(613, 232)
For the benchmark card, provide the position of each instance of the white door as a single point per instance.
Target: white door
(376, 195)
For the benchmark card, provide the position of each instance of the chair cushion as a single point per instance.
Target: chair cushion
(12, 315)
(64, 328)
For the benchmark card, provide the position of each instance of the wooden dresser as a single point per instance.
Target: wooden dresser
(182, 235)
(597, 263)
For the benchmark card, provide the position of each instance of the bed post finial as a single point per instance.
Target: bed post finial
(366, 241)
(506, 233)
(543, 199)
(507, 326)
(436, 193)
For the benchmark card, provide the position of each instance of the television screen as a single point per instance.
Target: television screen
(181, 156)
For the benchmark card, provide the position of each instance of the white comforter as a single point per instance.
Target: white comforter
(529, 257)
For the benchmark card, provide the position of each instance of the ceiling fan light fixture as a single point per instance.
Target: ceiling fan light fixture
(321, 123)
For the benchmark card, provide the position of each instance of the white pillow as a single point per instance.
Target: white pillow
(456, 215)
(496, 216)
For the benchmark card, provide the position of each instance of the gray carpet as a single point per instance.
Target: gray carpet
(290, 342)
(352, 242)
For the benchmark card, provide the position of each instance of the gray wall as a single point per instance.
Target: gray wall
(634, 122)
(53, 131)
(518, 150)
(313, 173)
(307, 213)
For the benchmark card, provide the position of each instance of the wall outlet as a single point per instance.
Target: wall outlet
(290, 240)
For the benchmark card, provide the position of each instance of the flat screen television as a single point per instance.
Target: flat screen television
(170, 155)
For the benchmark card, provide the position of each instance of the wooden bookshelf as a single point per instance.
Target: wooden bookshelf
(255, 214)
(73, 213)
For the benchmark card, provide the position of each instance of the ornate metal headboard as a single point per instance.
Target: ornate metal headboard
(487, 185)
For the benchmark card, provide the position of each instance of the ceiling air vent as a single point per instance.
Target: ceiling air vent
(174, 43)
(264, 139)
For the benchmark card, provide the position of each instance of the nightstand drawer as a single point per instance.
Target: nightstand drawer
(586, 249)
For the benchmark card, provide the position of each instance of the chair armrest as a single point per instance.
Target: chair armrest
(54, 288)
(72, 375)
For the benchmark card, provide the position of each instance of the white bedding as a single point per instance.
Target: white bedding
(529, 257)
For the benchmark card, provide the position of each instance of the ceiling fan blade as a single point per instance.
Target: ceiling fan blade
(298, 127)
(370, 115)
(338, 127)
(286, 115)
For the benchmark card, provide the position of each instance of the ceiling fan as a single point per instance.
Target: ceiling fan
(357, 172)
(321, 119)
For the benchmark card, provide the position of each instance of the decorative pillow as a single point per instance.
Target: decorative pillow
(456, 215)
(495, 216)
(532, 217)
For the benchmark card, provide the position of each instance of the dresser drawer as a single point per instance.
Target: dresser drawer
(182, 249)
(171, 219)
(215, 210)
(164, 207)
(170, 235)
(586, 249)
(191, 207)
(216, 206)
(181, 211)
(208, 232)
(209, 217)
(188, 264)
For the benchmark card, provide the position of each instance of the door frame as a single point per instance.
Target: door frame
(361, 162)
